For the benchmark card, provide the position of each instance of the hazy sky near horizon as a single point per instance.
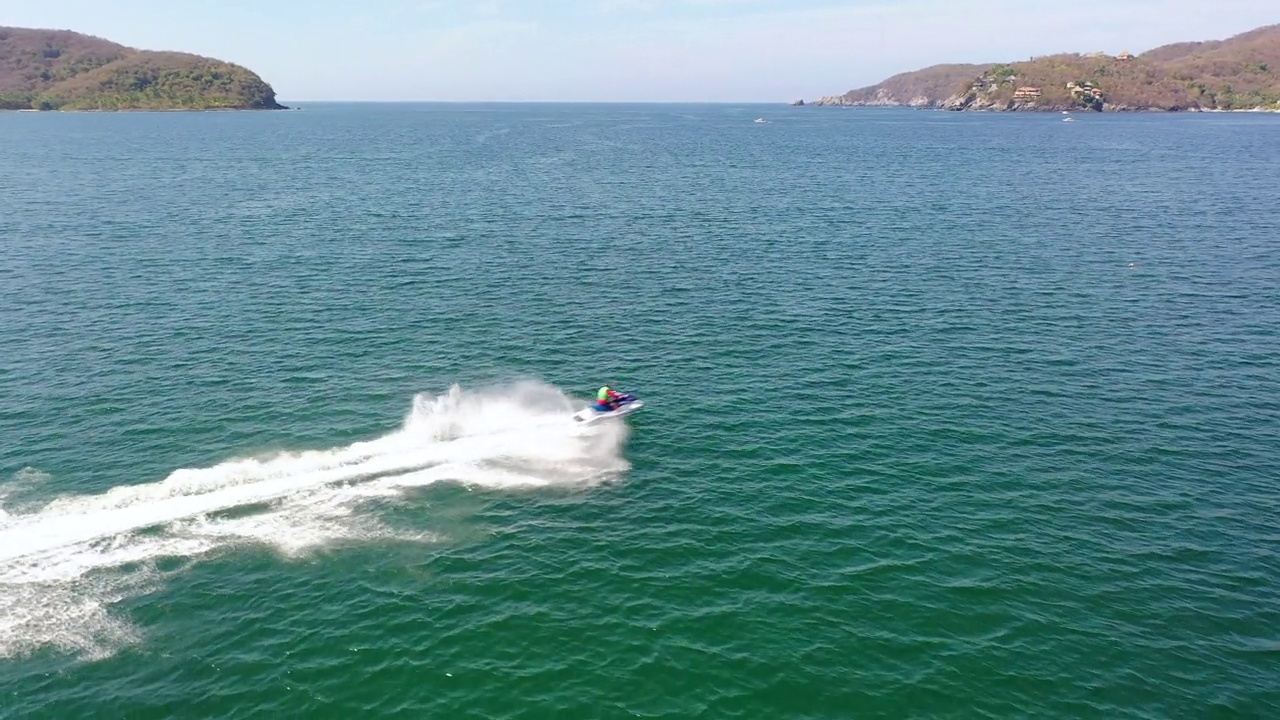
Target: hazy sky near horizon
(625, 50)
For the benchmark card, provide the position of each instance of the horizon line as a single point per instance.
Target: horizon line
(285, 101)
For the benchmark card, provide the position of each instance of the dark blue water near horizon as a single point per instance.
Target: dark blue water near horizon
(948, 414)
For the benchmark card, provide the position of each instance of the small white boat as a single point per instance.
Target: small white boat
(761, 120)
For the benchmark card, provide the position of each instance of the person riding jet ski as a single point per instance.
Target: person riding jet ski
(607, 399)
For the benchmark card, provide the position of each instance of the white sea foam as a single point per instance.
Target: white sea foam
(61, 566)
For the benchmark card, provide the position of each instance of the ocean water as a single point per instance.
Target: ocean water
(948, 415)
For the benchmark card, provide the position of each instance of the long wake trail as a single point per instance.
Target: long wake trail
(62, 565)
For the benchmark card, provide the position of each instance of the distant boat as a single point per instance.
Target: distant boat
(761, 120)
(1070, 119)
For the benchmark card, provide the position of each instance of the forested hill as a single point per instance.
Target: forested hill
(1240, 73)
(64, 70)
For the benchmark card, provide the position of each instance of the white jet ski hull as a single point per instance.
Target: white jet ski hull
(590, 415)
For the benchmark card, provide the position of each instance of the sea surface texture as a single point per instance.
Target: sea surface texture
(947, 415)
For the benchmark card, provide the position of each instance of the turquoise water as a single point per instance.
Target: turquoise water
(948, 415)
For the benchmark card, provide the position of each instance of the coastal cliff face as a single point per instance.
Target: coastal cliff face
(1241, 73)
(922, 88)
(63, 70)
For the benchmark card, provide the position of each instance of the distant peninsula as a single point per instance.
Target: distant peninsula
(64, 70)
(1240, 73)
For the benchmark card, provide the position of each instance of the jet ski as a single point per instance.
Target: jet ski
(625, 405)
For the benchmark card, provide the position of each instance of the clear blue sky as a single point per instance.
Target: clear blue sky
(679, 50)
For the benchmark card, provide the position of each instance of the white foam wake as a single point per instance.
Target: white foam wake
(63, 564)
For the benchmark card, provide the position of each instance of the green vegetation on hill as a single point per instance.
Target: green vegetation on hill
(919, 88)
(63, 70)
(1241, 73)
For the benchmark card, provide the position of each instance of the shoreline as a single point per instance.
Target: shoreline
(141, 110)
(1050, 110)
